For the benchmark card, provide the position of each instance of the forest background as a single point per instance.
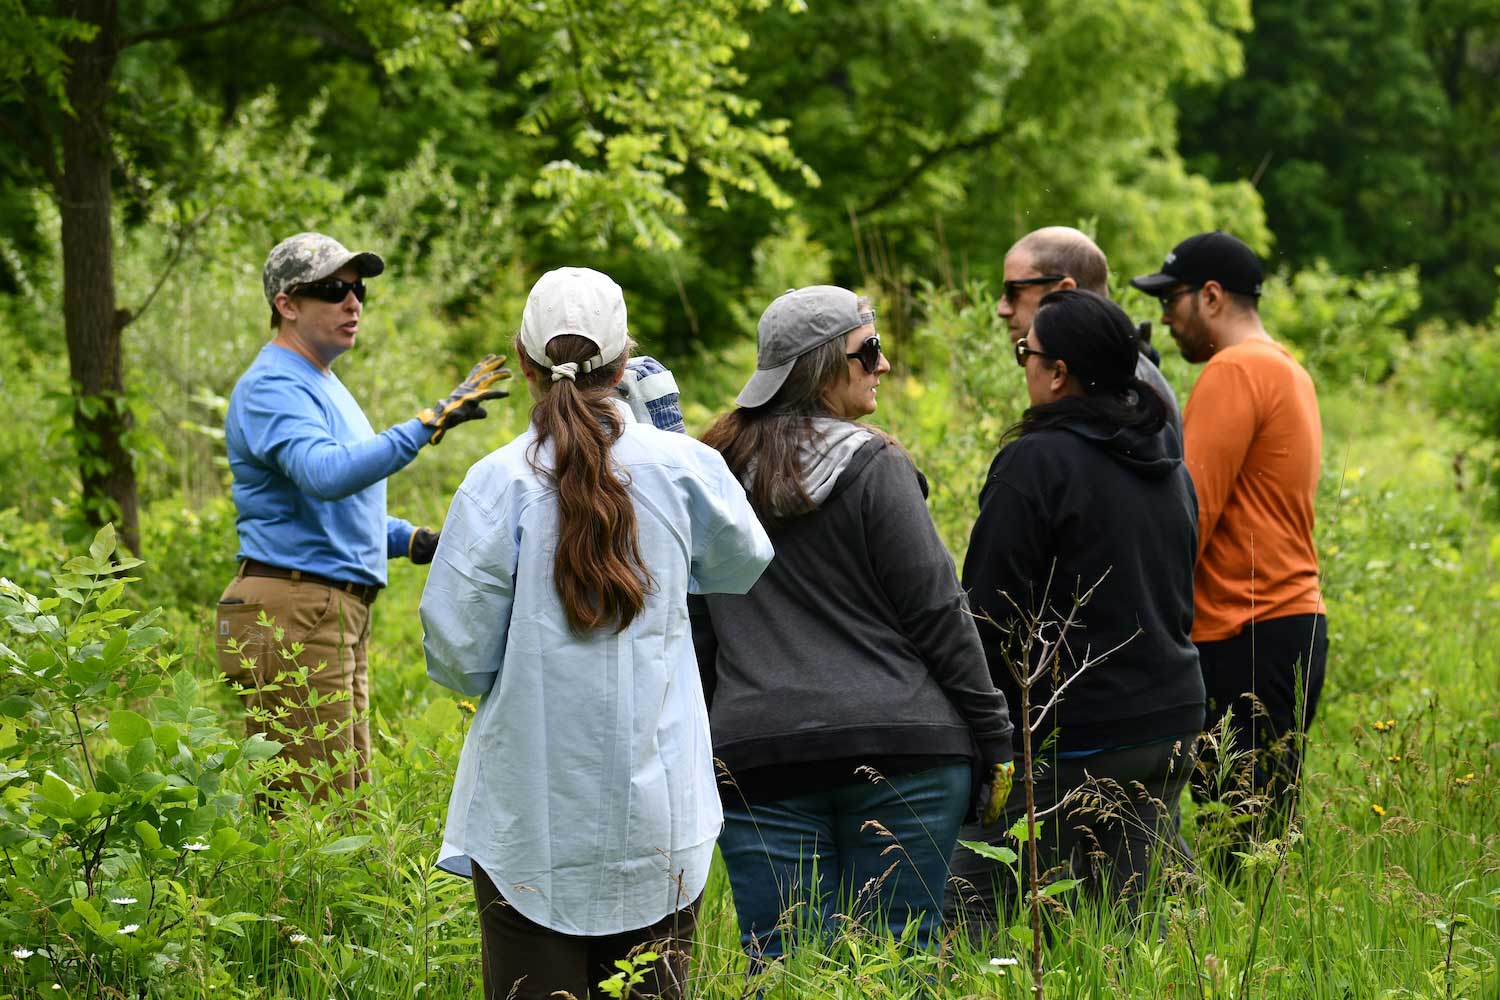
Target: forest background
(709, 156)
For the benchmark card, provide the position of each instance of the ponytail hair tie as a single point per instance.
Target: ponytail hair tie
(567, 370)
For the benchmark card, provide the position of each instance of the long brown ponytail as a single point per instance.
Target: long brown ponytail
(600, 576)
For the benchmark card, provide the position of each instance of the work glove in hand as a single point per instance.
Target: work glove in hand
(422, 546)
(994, 792)
(463, 403)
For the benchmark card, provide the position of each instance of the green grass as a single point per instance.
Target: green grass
(1391, 888)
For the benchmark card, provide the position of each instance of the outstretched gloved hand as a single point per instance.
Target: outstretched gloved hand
(994, 792)
(422, 547)
(463, 403)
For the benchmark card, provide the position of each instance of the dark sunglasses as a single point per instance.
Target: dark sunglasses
(1014, 286)
(1167, 299)
(1023, 350)
(868, 355)
(333, 290)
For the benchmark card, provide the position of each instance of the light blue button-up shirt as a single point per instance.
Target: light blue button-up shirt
(310, 471)
(586, 787)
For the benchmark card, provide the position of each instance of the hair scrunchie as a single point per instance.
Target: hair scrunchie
(567, 370)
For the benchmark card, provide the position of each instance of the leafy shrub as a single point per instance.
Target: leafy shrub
(1344, 328)
(115, 827)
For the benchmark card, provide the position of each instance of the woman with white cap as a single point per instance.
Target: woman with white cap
(584, 805)
(850, 701)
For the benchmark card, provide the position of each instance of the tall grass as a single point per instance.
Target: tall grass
(1388, 888)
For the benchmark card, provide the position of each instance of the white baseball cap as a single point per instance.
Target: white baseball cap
(580, 301)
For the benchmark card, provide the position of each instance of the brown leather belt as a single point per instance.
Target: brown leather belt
(366, 592)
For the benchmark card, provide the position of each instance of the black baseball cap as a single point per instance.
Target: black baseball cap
(1214, 256)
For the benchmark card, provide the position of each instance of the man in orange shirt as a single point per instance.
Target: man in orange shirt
(1253, 444)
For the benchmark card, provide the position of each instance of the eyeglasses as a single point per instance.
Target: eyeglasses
(1167, 299)
(1014, 286)
(332, 290)
(868, 355)
(1023, 350)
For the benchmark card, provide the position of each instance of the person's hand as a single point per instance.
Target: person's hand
(463, 403)
(422, 546)
(994, 792)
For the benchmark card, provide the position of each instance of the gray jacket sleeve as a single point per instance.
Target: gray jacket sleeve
(916, 574)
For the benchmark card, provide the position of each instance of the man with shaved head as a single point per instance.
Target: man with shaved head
(1046, 260)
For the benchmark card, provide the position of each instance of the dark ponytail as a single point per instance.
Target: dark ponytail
(600, 575)
(1098, 343)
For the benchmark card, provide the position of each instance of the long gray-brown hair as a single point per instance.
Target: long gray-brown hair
(770, 437)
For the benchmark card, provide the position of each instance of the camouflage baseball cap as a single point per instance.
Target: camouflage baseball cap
(308, 257)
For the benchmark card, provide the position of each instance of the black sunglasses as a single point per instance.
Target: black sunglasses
(333, 290)
(1013, 287)
(868, 355)
(1024, 350)
(1167, 299)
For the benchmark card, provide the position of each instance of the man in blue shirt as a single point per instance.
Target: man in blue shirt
(309, 487)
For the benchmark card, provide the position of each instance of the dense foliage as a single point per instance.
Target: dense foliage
(709, 156)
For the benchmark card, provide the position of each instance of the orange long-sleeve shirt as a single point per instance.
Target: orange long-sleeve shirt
(1253, 443)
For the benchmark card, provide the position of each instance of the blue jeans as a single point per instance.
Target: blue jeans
(789, 852)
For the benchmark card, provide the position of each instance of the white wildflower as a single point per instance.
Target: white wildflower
(123, 900)
(298, 938)
(1005, 961)
(57, 986)
(129, 929)
(195, 845)
(22, 953)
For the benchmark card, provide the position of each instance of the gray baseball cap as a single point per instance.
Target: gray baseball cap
(307, 257)
(799, 321)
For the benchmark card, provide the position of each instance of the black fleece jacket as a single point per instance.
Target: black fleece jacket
(855, 642)
(1064, 509)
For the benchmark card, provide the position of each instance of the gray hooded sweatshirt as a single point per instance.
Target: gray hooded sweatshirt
(856, 642)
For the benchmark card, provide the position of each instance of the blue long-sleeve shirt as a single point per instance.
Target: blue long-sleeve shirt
(309, 471)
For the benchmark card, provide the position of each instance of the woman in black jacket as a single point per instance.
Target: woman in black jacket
(849, 698)
(1086, 499)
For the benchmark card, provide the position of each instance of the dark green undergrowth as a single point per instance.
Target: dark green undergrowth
(124, 775)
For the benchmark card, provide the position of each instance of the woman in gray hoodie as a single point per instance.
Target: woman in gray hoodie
(850, 703)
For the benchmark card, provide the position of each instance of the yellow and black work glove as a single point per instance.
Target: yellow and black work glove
(463, 403)
(422, 547)
(994, 792)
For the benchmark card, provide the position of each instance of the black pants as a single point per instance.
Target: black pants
(527, 961)
(1281, 663)
(1118, 826)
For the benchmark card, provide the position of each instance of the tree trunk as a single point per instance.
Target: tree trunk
(95, 358)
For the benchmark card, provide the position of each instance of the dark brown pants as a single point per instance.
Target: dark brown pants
(527, 961)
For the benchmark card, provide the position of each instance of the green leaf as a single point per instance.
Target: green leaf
(110, 595)
(167, 738)
(257, 747)
(1018, 830)
(104, 542)
(86, 805)
(345, 845)
(55, 790)
(1020, 933)
(994, 852)
(1061, 886)
(128, 727)
(148, 835)
(86, 910)
(140, 755)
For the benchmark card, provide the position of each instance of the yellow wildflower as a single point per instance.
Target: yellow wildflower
(1385, 726)
(1377, 809)
(1394, 758)
(467, 706)
(1465, 780)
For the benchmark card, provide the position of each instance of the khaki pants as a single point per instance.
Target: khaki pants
(334, 629)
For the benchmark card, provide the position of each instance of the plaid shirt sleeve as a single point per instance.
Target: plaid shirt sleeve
(652, 393)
